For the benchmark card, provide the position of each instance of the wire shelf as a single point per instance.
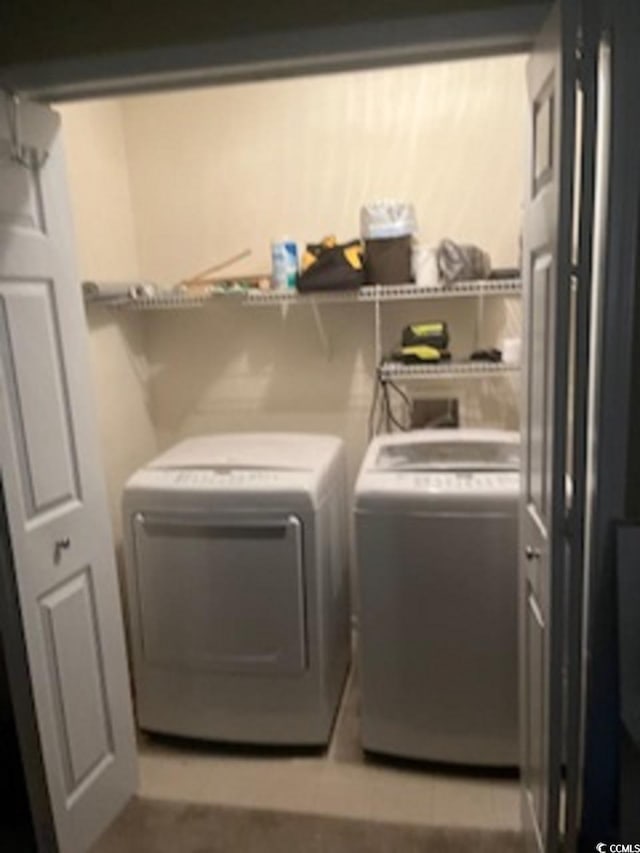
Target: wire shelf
(374, 293)
(390, 293)
(478, 287)
(445, 370)
(260, 298)
(169, 301)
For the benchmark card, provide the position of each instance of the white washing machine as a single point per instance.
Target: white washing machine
(436, 518)
(236, 561)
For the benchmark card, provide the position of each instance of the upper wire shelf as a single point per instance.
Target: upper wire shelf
(369, 293)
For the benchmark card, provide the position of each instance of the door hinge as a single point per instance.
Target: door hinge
(24, 155)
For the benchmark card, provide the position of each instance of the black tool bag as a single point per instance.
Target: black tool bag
(431, 334)
(330, 266)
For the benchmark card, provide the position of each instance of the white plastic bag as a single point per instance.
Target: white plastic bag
(381, 220)
(424, 266)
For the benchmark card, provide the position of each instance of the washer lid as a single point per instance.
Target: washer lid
(451, 450)
(255, 451)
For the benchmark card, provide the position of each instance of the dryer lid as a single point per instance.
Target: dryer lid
(451, 450)
(253, 451)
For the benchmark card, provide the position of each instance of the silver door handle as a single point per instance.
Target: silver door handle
(532, 553)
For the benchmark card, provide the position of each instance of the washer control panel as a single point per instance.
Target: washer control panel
(465, 482)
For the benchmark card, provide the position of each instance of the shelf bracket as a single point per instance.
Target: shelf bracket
(479, 323)
(322, 334)
(377, 327)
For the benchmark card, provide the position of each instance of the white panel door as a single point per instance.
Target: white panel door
(60, 535)
(546, 274)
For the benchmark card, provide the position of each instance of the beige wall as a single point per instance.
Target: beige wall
(214, 171)
(103, 216)
(217, 170)
(167, 184)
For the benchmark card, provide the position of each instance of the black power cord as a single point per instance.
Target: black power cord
(386, 386)
(372, 426)
(382, 409)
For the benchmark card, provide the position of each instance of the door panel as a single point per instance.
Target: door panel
(56, 505)
(546, 267)
(535, 676)
(21, 202)
(76, 676)
(538, 350)
(543, 125)
(238, 564)
(31, 353)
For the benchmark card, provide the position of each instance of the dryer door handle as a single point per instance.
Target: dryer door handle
(212, 520)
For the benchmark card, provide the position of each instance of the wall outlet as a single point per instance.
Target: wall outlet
(434, 413)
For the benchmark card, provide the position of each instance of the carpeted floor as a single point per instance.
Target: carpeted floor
(151, 826)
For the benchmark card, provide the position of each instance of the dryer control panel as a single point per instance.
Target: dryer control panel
(187, 483)
(216, 477)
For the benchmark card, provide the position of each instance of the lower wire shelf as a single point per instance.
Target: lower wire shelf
(397, 372)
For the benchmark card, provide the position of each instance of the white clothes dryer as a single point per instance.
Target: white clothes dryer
(236, 563)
